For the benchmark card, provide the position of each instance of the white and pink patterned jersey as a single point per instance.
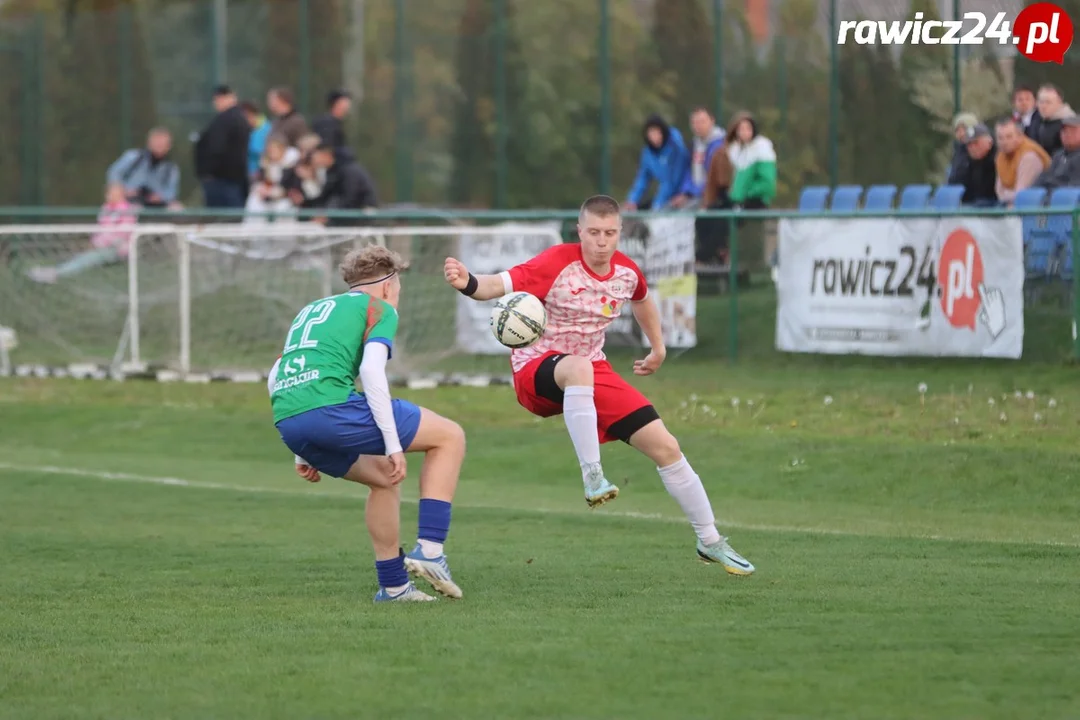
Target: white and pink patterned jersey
(580, 304)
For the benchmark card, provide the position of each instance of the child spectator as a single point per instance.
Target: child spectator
(110, 245)
(268, 193)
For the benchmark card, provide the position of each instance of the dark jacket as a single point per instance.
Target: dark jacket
(330, 129)
(348, 185)
(979, 178)
(1033, 127)
(1050, 130)
(958, 167)
(222, 149)
(1064, 171)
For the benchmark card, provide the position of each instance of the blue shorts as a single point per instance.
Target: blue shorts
(331, 438)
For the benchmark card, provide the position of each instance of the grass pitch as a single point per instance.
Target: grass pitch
(918, 556)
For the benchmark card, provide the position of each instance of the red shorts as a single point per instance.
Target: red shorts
(621, 409)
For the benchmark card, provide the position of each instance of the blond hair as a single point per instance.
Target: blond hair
(371, 263)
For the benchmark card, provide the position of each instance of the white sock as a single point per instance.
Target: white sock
(430, 549)
(685, 486)
(579, 413)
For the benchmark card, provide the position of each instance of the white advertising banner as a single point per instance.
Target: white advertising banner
(901, 286)
(666, 257)
(669, 268)
(514, 244)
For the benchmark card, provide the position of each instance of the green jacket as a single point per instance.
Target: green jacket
(755, 170)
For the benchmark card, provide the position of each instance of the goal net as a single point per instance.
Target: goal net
(220, 298)
(66, 300)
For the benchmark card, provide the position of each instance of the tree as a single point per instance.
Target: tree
(684, 49)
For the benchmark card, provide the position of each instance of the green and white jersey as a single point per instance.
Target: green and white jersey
(324, 348)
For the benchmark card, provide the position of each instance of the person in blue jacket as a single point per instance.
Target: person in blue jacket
(665, 160)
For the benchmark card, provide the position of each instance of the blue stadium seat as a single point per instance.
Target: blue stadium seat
(1031, 197)
(1040, 250)
(1027, 199)
(812, 198)
(947, 197)
(1061, 225)
(914, 197)
(845, 198)
(879, 198)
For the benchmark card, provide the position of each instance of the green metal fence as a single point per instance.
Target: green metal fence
(495, 103)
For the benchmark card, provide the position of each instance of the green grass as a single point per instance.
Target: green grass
(918, 556)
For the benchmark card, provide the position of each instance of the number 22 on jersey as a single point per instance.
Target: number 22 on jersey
(314, 314)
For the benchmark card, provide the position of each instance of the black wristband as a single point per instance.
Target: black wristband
(471, 287)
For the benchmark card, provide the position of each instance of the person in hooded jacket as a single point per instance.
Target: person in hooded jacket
(664, 160)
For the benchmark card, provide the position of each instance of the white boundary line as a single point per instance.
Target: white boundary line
(656, 517)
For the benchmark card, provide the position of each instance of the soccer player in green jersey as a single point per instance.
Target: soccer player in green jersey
(363, 437)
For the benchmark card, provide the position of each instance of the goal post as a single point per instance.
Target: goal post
(68, 299)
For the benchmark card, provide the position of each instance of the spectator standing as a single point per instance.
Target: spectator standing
(1064, 170)
(1025, 113)
(331, 126)
(979, 177)
(1053, 109)
(348, 185)
(754, 160)
(963, 129)
(708, 138)
(287, 121)
(664, 160)
(221, 153)
(148, 176)
(260, 131)
(1019, 160)
(712, 233)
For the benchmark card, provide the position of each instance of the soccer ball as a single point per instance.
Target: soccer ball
(518, 319)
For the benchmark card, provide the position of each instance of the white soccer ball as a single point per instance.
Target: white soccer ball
(518, 319)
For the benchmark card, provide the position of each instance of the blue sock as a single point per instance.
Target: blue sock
(434, 520)
(392, 573)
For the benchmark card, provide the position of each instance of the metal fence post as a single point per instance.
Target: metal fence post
(733, 288)
(834, 96)
(718, 59)
(1076, 283)
(126, 90)
(39, 96)
(402, 160)
(605, 97)
(782, 81)
(29, 126)
(501, 128)
(956, 65)
(219, 18)
(304, 30)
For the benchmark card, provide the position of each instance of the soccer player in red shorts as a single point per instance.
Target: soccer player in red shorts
(584, 288)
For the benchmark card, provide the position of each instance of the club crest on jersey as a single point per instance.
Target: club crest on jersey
(609, 308)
